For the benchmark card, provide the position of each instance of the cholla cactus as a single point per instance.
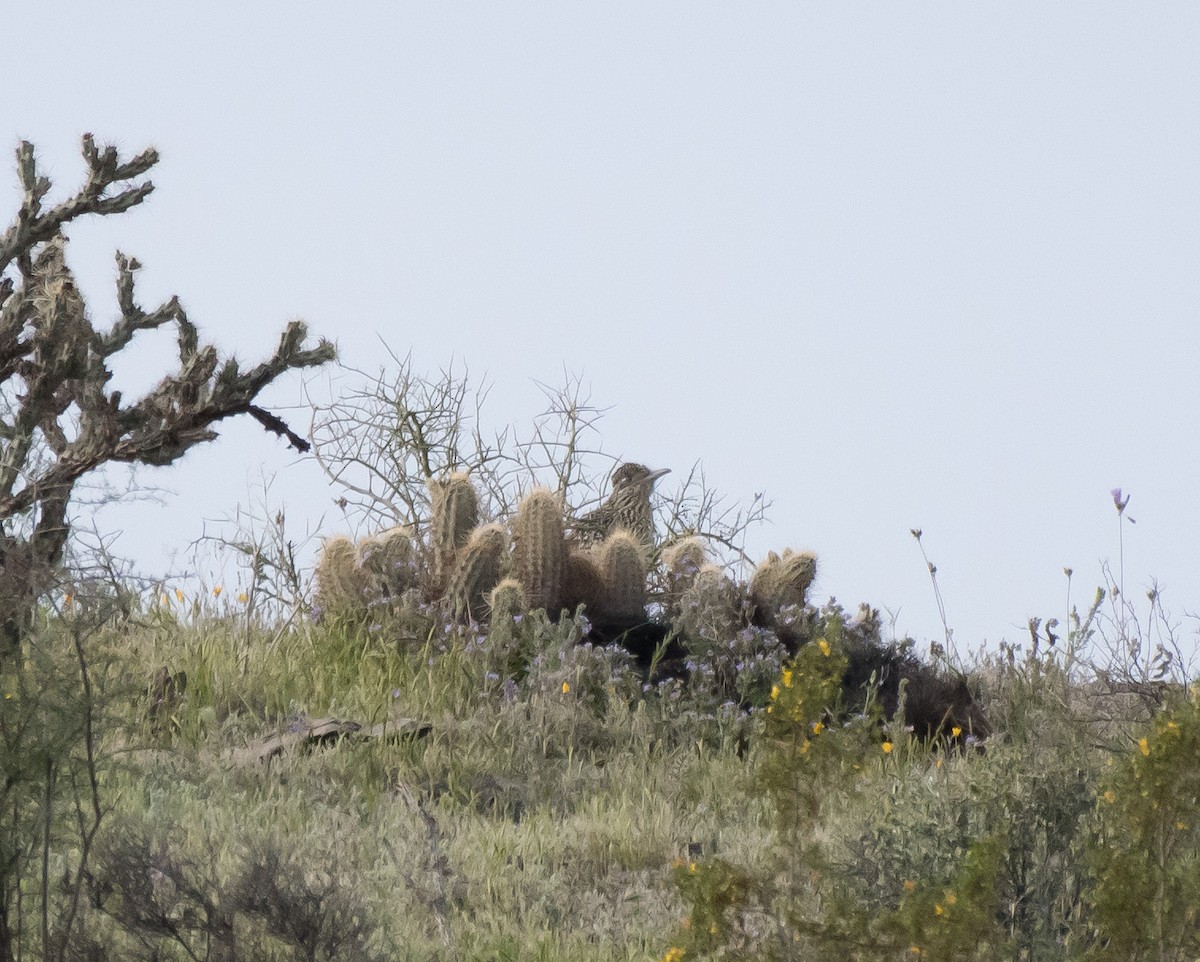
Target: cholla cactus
(539, 549)
(387, 559)
(582, 582)
(60, 415)
(341, 583)
(480, 568)
(454, 514)
(623, 566)
(783, 580)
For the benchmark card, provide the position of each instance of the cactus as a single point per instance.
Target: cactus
(506, 603)
(341, 584)
(386, 559)
(711, 607)
(778, 591)
(480, 568)
(504, 655)
(507, 600)
(538, 549)
(582, 582)
(681, 561)
(454, 509)
(783, 580)
(623, 566)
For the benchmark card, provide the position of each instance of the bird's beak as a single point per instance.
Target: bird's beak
(655, 475)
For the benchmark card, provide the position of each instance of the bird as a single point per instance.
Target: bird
(627, 507)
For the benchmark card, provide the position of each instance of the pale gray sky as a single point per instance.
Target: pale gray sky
(895, 264)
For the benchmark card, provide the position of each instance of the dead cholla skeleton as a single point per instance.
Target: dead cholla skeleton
(59, 420)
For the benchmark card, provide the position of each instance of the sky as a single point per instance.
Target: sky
(894, 265)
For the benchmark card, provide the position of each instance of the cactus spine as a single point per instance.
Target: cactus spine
(623, 566)
(454, 508)
(480, 568)
(539, 549)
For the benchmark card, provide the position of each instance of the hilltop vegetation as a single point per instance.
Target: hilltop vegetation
(570, 809)
(507, 723)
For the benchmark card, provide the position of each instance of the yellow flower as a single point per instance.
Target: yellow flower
(1110, 796)
(805, 747)
(951, 898)
(8, 696)
(166, 598)
(818, 727)
(824, 646)
(693, 868)
(566, 688)
(179, 594)
(1144, 746)
(674, 954)
(938, 910)
(955, 732)
(217, 591)
(243, 597)
(1181, 826)
(774, 692)
(887, 748)
(914, 949)
(938, 763)
(787, 678)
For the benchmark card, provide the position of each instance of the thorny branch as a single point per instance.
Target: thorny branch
(59, 417)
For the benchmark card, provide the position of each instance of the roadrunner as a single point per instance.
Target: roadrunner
(628, 507)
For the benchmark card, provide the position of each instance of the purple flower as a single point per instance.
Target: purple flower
(1118, 501)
